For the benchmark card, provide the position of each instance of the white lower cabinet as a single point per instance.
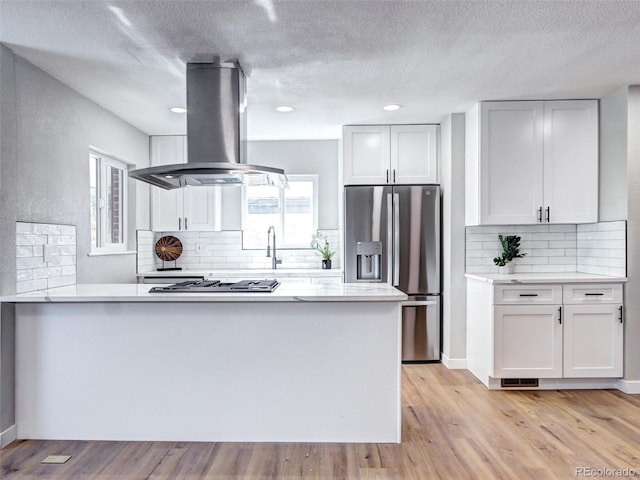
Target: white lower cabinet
(571, 331)
(592, 345)
(527, 342)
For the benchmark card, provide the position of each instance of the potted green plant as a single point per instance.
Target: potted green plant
(510, 250)
(321, 245)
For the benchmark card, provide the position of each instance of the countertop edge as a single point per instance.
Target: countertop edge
(509, 279)
(138, 293)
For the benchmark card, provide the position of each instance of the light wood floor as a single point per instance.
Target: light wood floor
(453, 428)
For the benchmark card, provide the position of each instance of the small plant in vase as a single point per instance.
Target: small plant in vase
(321, 245)
(510, 250)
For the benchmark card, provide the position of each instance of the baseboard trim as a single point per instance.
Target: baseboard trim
(454, 363)
(8, 436)
(629, 386)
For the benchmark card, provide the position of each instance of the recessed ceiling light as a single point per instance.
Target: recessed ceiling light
(391, 107)
(285, 108)
(178, 109)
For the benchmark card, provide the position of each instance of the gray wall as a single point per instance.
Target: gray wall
(620, 199)
(632, 300)
(47, 137)
(45, 132)
(613, 156)
(301, 157)
(454, 288)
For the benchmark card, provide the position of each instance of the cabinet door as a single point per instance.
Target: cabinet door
(527, 342)
(511, 149)
(166, 210)
(202, 209)
(167, 205)
(571, 161)
(168, 149)
(593, 336)
(414, 154)
(366, 154)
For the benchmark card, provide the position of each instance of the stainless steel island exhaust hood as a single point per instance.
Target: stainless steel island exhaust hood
(216, 134)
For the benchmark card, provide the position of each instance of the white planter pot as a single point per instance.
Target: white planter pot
(508, 268)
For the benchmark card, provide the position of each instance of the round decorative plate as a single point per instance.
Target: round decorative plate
(168, 248)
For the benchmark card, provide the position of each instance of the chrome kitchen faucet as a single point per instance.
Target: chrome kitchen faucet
(274, 260)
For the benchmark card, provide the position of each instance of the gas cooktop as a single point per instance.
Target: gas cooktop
(216, 286)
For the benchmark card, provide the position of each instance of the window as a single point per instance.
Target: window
(292, 211)
(107, 184)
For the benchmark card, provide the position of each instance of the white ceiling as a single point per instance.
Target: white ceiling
(338, 62)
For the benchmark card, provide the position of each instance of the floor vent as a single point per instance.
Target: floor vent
(518, 382)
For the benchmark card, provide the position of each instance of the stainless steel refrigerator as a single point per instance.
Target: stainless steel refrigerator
(392, 235)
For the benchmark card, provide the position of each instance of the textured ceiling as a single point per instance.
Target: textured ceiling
(338, 62)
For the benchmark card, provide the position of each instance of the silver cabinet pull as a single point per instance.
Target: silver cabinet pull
(186, 227)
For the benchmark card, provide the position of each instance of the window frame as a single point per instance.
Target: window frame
(102, 162)
(282, 244)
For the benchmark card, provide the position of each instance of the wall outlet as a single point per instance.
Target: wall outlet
(201, 248)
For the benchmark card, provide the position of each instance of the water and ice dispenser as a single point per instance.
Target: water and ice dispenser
(369, 258)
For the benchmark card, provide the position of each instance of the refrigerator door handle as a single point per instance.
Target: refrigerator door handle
(389, 237)
(396, 239)
(419, 303)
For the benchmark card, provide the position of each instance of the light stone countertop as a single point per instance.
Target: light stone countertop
(114, 293)
(571, 277)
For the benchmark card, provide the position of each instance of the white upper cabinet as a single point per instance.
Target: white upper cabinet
(532, 162)
(390, 154)
(571, 161)
(189, 208)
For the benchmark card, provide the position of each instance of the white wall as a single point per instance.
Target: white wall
(452, 174)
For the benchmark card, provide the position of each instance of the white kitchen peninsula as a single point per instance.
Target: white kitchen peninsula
(306, 363)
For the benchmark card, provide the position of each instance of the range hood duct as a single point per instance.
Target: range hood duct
(216, 134)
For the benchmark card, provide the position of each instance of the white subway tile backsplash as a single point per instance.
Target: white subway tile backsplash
(24, 275)
(61, 281)
(223, 250)
(62, 240)
(22, 251)
(30, 263)
(31, 239)
(31, 285)
(598, 248)
(46, 272)
(32, 272)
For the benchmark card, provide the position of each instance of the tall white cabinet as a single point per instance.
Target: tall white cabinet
(390, 154)
(532, 162)
(189, 208)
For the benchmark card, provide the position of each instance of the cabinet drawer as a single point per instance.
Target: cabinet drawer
(527, 294)
(592, 293)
